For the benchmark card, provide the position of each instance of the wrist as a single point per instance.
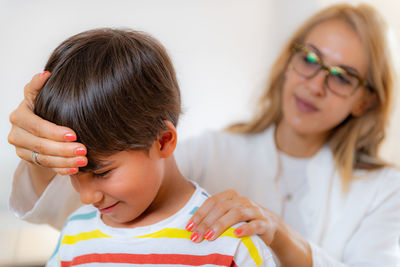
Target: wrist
(40, 177)
(290, 248)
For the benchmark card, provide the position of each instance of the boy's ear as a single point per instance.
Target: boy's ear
(167, 140)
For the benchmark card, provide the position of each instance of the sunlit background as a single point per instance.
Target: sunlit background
(222, 51)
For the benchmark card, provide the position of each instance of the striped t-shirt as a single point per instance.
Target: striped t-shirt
(86, 240)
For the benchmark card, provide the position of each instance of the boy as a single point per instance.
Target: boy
(117, 89)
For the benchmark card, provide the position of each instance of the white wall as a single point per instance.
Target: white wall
(222, 51)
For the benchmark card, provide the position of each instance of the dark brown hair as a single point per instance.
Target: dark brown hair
(113, 87)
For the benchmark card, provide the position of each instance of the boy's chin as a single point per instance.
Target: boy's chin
(113, 221)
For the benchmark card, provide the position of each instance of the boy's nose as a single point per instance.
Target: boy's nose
(89, 193)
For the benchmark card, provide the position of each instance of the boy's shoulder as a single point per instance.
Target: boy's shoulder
(86, 214)
(246, 251)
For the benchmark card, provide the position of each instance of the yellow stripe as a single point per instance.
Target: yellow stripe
(253, 251)
(73, 239)
(168, 233)
(180, 233)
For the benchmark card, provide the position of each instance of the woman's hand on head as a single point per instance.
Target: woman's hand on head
(221, 211)
(53, 143)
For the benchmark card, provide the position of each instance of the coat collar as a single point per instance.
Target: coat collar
(320, 176)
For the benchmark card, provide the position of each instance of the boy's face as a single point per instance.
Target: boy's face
(124, 187)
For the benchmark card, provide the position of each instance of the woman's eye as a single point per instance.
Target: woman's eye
(342, 79)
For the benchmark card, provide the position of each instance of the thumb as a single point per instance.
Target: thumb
(32, 88)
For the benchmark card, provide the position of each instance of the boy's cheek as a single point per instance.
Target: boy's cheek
(75, 183)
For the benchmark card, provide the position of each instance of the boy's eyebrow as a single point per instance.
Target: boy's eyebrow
(102, 164)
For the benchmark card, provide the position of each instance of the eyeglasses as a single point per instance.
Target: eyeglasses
(338, 80)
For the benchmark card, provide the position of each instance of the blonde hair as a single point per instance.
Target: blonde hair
(355, 142)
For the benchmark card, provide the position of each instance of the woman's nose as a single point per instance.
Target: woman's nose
(316, 84)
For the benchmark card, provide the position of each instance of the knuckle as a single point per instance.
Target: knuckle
(198, 216)
(36, 129)
(246, 201)
(220, 208)
(205, 225)
(43, 160)
(232, 193)
(218, 226)
(65, 149)
(210, 201)
(202, 228)
(11, 138)
(239, 213)
(13, 117)
(260, 224)
(38, 146)
(19, 153)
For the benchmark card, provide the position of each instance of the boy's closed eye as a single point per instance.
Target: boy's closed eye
(102, 174)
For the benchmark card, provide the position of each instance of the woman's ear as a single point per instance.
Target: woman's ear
(364, 104)
(167, 140)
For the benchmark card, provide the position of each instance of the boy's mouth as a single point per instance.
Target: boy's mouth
(109, 208)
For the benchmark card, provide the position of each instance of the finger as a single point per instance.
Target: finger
(32, 88)
(23, 139)
(24, 118)
(52, 161)
(236, 214)
(207, 206)
(66, 171)
(212, 226)
(257, 227)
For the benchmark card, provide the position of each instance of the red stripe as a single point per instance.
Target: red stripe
(191, 260)
(233, 264)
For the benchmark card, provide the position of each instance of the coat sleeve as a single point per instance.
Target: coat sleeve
(53, 207)
(376, 241)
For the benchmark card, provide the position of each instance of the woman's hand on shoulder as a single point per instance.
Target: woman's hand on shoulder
(228, 208)
(221, 211)
(30, 133)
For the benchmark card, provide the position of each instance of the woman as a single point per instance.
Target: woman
(308, 158)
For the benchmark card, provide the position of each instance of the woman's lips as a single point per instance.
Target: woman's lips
(305, 106)
(108, 209)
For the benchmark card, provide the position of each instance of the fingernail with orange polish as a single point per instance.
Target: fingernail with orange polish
(80, 151)
(194, 236)
(81, 162)
(69, 137)
(209, 234)
(73, 170)
(44, 73)
(238, 231)
(189, 226)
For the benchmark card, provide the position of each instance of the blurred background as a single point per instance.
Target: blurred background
(222, 51)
